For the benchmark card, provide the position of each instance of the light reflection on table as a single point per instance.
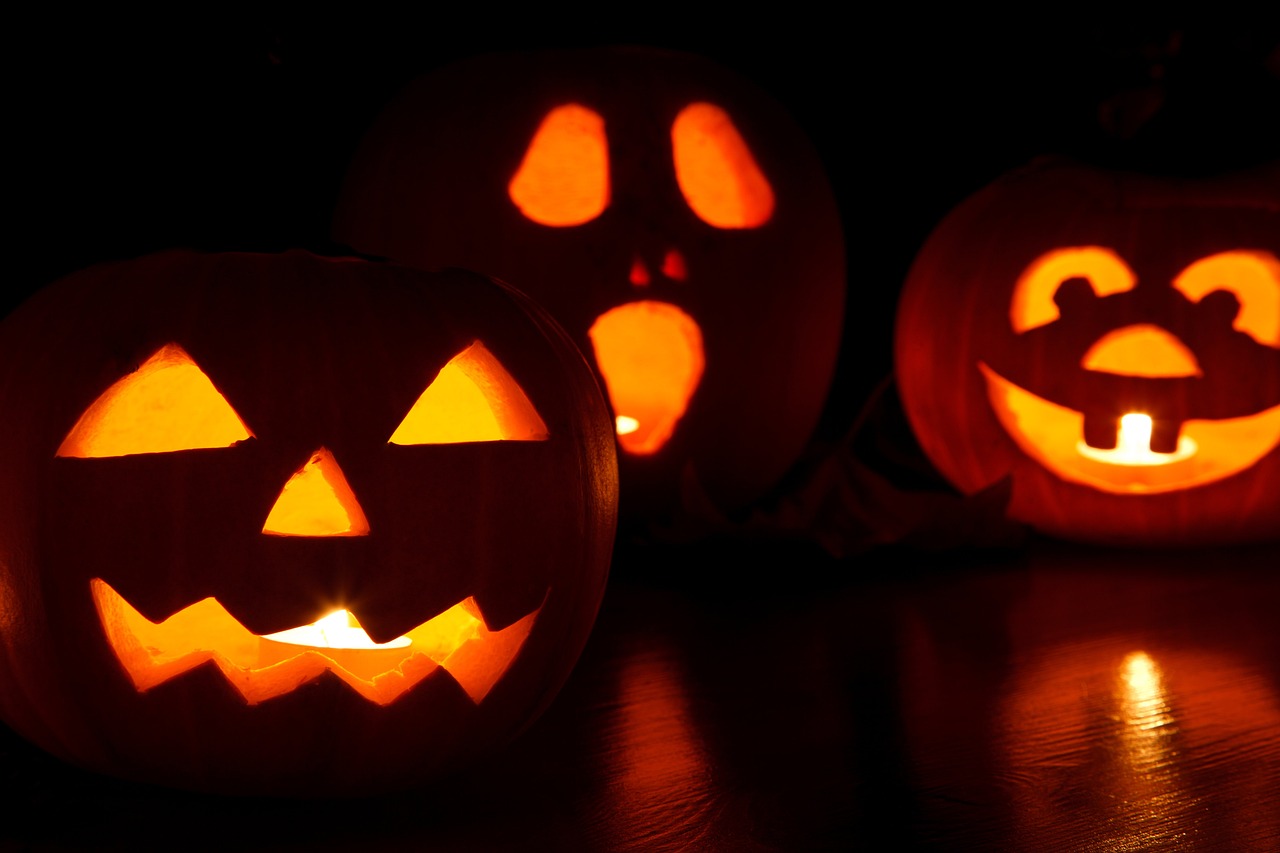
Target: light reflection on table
(1048, 698)
(1133, 706)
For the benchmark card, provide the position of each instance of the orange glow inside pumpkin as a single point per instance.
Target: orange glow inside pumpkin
(1141, 350)
(1033, 304)
(263, 667)
(167, 404)
(673, 265)
(339, 630)
(473, 398)
(1053, 435)
(1133, 445)
(1206, 450)
(651, 358)
(317, 501)
(717, 173)
(564, 177)
(1254, 278)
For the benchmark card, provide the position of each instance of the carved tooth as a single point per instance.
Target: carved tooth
(1101, 433)
(1164, 436)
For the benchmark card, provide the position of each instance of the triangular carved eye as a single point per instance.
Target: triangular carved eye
(719, 176)
(472, 398)
(167, 404)
(564, 177)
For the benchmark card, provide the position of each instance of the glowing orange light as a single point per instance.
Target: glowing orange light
(650, 356)
(317, 501)
(1084, 716)
(261, 668)
(167, 404)
(660, 761)
(639, 273)
(1033, 304)
(1141, 350)
(716, 171)
(473, 398)
(673, 266)
(339, 630)
(1254, 278)
(564, 177)
(1133, 445)
(1053, 435)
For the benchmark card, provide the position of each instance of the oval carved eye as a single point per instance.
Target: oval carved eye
(167, 404)
(472, 398)
(1033, 301)
(564, 177)
(1253, 277)
(717, 173)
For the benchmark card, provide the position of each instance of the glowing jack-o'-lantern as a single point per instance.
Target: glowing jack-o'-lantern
(1111, 341)
(289, 525)
(670, 214)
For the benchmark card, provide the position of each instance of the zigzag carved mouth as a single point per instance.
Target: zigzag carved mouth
(263, 667)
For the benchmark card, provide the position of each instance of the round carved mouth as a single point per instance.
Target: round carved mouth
(650, 355)
(1204, 450)
(260, 668)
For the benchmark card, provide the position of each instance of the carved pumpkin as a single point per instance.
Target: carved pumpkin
(669, 213)
(289, 525)
(1111, 341)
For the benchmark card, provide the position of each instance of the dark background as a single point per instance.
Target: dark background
(732, 697)
(232, 131)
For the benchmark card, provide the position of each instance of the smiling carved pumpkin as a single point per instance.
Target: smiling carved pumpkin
(669, 213)
(287, 525)
(1111, 341)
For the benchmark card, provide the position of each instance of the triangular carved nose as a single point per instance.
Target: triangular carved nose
(317, 501)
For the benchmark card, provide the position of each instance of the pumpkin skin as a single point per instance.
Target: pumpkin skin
(1088, 294)
(435, 183)
(312, 354)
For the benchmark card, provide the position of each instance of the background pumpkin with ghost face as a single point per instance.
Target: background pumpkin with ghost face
(202, 455)
(1110, 341)
(668, 212)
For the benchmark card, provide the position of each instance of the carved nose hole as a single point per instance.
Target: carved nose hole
(639, 272)
(317, 501)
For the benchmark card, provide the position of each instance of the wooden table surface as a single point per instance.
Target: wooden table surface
(742, 696)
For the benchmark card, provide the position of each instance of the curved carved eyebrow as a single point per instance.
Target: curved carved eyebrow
(1033, 305)
(1254, 278)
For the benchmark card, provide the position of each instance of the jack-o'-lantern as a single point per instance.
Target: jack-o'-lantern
(668, 212)
(292, 525)
(1110, 341)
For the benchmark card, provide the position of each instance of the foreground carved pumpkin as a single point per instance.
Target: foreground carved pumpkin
(670, 214)
(287, 525)
(1111, 341)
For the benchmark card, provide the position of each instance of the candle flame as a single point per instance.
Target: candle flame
(338, 630)
(1133, 445)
